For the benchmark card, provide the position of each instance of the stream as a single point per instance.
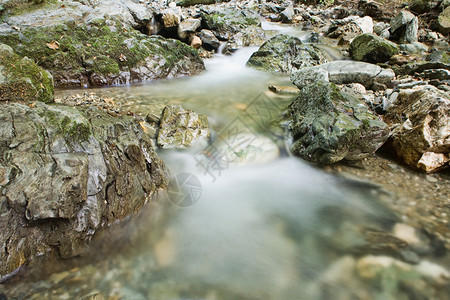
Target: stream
(258, 224)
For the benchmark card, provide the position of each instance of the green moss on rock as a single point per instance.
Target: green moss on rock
(72, 53)
(371, 48)
(22, 80)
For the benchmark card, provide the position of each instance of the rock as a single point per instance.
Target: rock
(404, 27)
(341, 72)
(328, 125)
(420, 124)
(414, 48)
(250, 36)
(22, 80)
(379, 27)
(371, 8)
(171, 18)
(366, 24)
(307, 76)
(285, 54)
(196, 42)
(441, 74)
(420, 6)
(438, 56)
(371, 48)
(68, 172)
(287, 14)
(284, 90)
(443, 22)
(400, 59)
(188, 27)
(353, 26)
(181, 129)
(209, 39)
(226, 22)
(195, 2)
(95, 55)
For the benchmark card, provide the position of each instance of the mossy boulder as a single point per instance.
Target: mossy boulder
(420, 6)
(226, 22)
(285, 54)
(98, 54)
(22, 80)
(371, 48)
(66, 172)
(328, 125)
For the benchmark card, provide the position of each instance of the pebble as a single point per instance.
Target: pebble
(431, 178)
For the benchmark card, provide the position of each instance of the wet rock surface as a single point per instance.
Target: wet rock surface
(180, 128)
(67, 173)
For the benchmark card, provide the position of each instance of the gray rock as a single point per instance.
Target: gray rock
(404, 27)
(307, 76)
(66, 173)
(180, 128)
(187, 27)
(285, 54)
(250, 36)
(328, 125)
(341, 72)
(414, 48)
(441, 74)
(420, 124)
(287, 14)
(209, 39)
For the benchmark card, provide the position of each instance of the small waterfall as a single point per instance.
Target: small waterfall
(221, 47)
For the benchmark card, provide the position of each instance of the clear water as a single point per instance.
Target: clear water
(270, 227)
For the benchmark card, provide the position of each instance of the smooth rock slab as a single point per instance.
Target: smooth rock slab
(328, 125)
(344, 71)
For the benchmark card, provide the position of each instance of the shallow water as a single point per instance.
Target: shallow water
(264, 226)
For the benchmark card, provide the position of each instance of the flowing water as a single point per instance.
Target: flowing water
(262, 226)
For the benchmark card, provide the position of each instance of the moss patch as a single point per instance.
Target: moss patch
(24, 80)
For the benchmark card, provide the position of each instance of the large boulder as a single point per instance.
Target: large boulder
(341, 72)
(99, 54)
(420, 124)
(285, 54)
(371, 48)
(64, 174)
(444, 21)
(180, 128)
(404, 27)
(188, 27)
(328, 125)
(22, 80)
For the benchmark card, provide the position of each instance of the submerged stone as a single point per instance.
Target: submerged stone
(180, 128)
